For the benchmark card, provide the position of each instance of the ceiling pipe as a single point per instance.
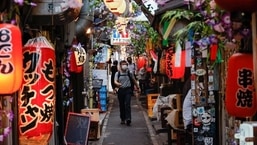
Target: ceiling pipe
(85, 20)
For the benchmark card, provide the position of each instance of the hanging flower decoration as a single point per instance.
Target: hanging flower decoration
(6, 130)
(75, 4)
(212, 25)
(139, 29)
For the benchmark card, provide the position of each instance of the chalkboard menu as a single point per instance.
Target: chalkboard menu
(77, 129)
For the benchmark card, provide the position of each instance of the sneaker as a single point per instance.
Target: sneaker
(128, 122)
(122, 122)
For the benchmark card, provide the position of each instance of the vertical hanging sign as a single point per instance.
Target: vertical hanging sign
(240, 95)
(10, 58)
(37, 95)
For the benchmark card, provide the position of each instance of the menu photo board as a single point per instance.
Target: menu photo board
(77, 129)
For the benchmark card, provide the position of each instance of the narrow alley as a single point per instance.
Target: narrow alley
(141, 131)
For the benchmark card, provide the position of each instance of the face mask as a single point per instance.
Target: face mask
(124, 67)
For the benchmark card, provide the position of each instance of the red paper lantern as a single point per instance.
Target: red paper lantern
(10, 58)
(37, 95)
(175, 66)
(162, 66)
(240, 95)
(73, 65)
(238, 5)
(141, 62)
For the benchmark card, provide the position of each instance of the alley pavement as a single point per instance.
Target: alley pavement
(140, 132)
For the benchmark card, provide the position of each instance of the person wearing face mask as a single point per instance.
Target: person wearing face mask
(123, 80)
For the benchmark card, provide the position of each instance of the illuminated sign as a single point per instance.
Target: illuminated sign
(120, 38)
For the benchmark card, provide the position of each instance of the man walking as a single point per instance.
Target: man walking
(123, 80)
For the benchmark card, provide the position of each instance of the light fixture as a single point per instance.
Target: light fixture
(89, 31)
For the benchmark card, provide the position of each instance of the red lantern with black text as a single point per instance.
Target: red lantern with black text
(175, 64)
(37, 95)
(238, 5)
(73, 65)
(240, 95)
(10, 58)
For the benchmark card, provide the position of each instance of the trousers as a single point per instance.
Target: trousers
(124, 97)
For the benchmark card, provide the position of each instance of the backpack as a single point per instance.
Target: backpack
(130, 78)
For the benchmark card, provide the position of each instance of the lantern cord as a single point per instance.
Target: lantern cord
(27, 16)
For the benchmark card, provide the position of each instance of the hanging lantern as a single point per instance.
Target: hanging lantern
(118, 7)
(238, 5)
(175, 63)
(141, 62)
(73, 64)
(163, 63)
(240, 95)
(10, 58)
(168, 63)
(178, 65)
(36, 101)
(80, 55)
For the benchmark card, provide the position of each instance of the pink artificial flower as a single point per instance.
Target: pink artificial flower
(10, 116)
(219, 28)
(210, 22)
(20, 2)
(199, 3)
(11, 100)
(7, 131)
(226, 19)
(75, 4)
(13, 22)
(161, 2)
(33, 4)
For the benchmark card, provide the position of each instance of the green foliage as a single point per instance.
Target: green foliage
(200, 27)
(138, 45)
(142, 32)
(180, 14)
(110, 23)
(135, 7)
(95, 3)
